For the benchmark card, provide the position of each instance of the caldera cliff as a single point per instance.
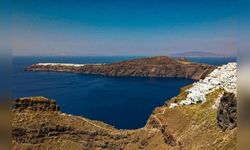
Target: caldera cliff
(38, 124)
(207, 119)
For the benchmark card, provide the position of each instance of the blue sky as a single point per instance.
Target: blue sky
(122, 27)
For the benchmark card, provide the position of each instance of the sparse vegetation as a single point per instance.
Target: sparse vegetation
(195, 126)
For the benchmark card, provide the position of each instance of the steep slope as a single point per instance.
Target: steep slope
(194, 126)
(160, 66)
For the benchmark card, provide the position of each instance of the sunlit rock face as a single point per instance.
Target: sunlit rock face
(38, 103)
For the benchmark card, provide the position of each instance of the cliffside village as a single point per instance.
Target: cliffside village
(223, 77)
(64, 64)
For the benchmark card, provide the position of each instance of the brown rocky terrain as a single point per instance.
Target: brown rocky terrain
(160, 66)
(227, 112)
(38, 123)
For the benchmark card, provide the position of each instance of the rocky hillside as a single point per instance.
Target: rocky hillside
(38, 123)
(45, 127)
(160, 66)
(197, 126)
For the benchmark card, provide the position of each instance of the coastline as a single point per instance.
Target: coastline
(163, 129)
(166, 128)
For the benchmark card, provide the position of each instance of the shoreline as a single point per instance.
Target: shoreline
(207, 123)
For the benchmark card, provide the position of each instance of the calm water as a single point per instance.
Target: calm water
(120, 101)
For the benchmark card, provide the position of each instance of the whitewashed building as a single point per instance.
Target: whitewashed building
(224, 77)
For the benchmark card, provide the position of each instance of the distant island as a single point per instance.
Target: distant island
(160, 66)
(201, 54)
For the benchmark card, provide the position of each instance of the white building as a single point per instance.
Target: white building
(223, 77)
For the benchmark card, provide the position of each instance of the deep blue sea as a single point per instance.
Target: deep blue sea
(124, 102)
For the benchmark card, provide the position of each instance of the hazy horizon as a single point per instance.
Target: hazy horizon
(122, 28)
(97, 55)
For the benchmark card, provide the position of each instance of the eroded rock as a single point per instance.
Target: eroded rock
(35, 103)
(227, 112)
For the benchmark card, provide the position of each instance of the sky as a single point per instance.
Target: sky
(122, 27)
(5, 27)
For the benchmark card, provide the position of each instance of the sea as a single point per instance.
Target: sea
(123, 102)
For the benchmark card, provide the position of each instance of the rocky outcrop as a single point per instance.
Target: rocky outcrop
(168, 137)
(35, 103)
(160, 66)
(227, 112)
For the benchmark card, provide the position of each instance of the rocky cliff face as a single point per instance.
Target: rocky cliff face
(35, 103)
(160, 66)
(226, 116)
(39, 124)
